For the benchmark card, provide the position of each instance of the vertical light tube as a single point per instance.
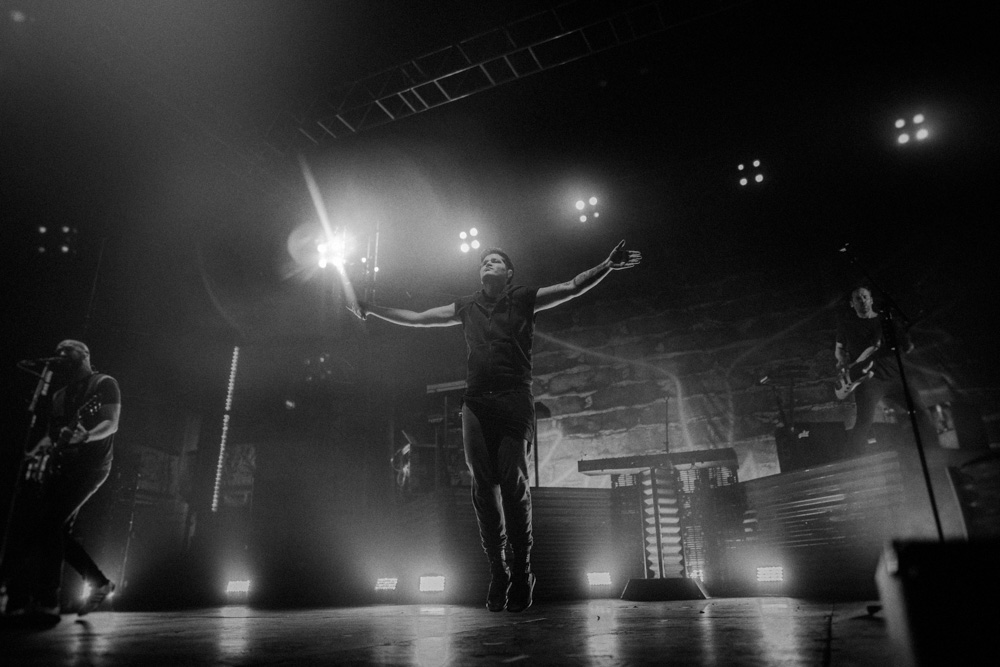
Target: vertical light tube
(225, 428)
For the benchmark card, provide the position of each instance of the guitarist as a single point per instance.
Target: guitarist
(862, 340)
(79, 446)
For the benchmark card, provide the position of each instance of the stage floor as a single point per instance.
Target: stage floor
(728, 631)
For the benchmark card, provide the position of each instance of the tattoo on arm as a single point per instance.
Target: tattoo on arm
(589, 275)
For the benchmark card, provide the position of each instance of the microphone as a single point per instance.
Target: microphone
(43, 360)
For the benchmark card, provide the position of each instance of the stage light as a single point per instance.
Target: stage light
(42, 229)
(432, 583)
(756, 177)
(770, 573)
(598, 578)
(233, 365)
(587, 208)
(332, 251)
(386, 583)
(470, 245)
(238, 587)
(914, 129)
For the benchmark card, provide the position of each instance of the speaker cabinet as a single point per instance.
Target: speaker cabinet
(939, 600)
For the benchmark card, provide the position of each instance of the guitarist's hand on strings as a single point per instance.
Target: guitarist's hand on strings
(74, 436)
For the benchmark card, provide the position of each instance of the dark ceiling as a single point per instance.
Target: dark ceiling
(141, 125)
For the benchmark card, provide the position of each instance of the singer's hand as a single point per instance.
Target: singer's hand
(359, 308)
(624, 259)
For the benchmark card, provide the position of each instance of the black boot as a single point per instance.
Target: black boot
(496, 599)
(522, 583)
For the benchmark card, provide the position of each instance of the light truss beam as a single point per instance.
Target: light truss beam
(519, 49)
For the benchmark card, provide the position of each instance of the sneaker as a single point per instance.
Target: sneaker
(95, 598)
(496, 599)
(519, 591)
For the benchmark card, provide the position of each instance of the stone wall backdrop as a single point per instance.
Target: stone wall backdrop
(682, 369)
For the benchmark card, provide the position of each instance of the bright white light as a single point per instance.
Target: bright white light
(376, 269)
(386, 583)
(922, 134)
(473, 232)
(904, 138)
(64, 248)
(238, 587)
(233, 365)
(759, 177)
(919, 118)
(475, 244)
(593, 201)
(65, 229)
(322, 262)
(464, 247)
(740, 167)
(431, 584)
(756, 163)
(697, 574)
(85, 593)
(771, 573)
(599, 578)
(580, 205)
(583, 218)
(43, 229)
(597, 214)
(900, 123)
(743, 181)
(462, 235)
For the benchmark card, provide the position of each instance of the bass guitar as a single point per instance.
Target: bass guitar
(42, 461)
(852, 376)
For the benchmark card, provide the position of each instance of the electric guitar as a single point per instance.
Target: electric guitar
(42, 463)
(852, 376)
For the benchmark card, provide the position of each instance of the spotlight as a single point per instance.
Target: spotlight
(432, 583)
(599, 578)
(587, 208)
(386, 583)
(238, 587)
(756, 177)
(915, 128)
(467, 244)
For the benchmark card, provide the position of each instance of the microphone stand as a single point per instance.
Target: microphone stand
(41, 390)
(890, 333)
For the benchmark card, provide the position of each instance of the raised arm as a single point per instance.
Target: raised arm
(553, 295)
(442, 316)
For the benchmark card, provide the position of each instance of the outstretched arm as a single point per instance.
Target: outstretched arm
(442, 316)
(553, 295)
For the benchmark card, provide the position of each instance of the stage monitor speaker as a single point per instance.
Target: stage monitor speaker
(939, 600)
(810, 444)
(675, 588)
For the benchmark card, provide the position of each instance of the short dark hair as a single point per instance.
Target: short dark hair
(497, 251)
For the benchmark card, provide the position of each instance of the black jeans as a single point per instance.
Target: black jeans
(43, 536)
(497, 456)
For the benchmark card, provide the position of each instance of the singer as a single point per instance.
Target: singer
(498, 407)
(64, 469)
